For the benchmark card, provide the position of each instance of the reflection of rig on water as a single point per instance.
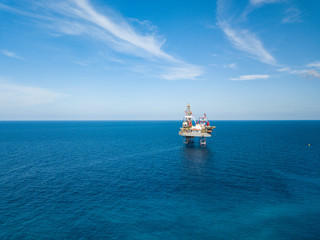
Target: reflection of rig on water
(201, 129)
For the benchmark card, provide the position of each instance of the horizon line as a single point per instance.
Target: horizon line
(146, 120)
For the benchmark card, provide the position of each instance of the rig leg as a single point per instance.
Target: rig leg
(188, 140)
(203, 141)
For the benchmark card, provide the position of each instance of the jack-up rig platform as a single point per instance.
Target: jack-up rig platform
(201, 128)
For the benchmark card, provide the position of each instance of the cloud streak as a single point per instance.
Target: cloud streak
(308, 71)
(188, 72)
(16, 95)
(229, 65)
(80, 17)
(315, 64)
(313, 73)
(246, 41)
(261, 2)
(251, 77)
(240, 38)
(120, 30)
(11, 54)
(292, 15)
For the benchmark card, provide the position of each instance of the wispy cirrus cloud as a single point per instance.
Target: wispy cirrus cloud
(229, 65)
(285, 69)
(126, 36)
(261, 2)
(17, 95)
(11, 54)
(176, 73)
(315, 64)
(82, 13)
(241, 38)
(171, 73)
(251, 77)
(292, 15)
(308, 71)
(313, 73)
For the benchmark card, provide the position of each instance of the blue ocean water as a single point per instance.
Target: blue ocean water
(136, 180)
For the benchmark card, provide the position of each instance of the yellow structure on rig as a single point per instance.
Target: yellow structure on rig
(201, 128)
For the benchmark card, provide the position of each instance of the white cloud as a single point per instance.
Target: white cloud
(79, 17)
(246, 41)
(260, 2)
(144, 23)
(230, 65)
(241, 38)
(251, 77)
(11, 54)
(185, 72)
(305, 72)
(292, 15)
(315, 64)
(286, 69)
(127, 36)
(121, 30)
(123, 37)
(16, 95)
(301, 71)
(313, 73)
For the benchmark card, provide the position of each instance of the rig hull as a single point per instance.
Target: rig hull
(201, 129)
(194, 134)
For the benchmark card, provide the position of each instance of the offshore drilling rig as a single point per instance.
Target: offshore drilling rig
(201, 128)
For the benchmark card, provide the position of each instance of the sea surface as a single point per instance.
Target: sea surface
(137, 180)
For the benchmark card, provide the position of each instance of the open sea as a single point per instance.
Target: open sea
(137, 180)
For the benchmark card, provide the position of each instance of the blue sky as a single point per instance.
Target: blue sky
(121, 59)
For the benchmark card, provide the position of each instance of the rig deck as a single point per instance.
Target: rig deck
(194, 134)
(201, 129)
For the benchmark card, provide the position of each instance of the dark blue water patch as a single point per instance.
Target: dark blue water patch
(136, 180)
